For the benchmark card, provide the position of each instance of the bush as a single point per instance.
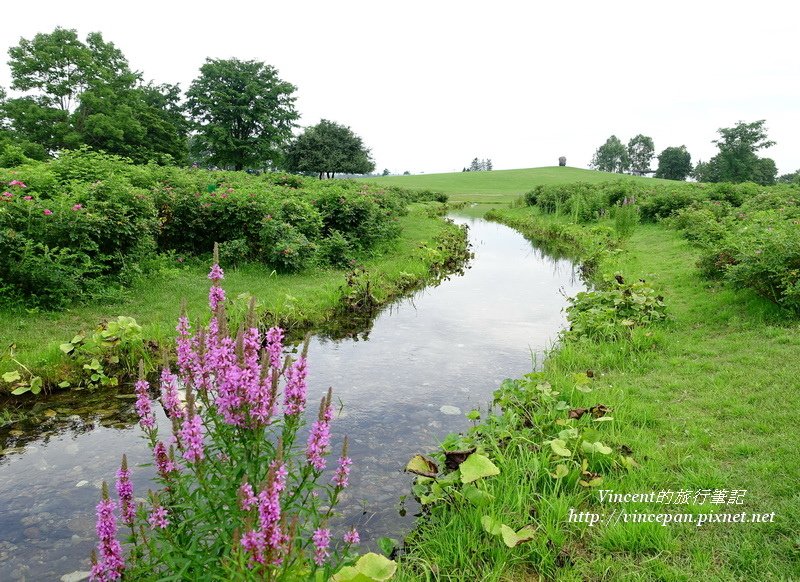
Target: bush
(614, 311)
(284, 247)
(335, 250)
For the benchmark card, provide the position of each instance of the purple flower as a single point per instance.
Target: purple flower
(158, 518)
(192, 438)
(294, 401)
(216, 273)
(322, 539)
(320, 436)
(164, 464)
(125, 492)
(216, 295)
(351, 537)
(269, 538)
(169, 394)
(275, 346)
(247, 497)
(143, 407)
(340, 477)
(109, 565)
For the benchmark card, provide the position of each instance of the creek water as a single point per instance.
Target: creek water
(425, 362)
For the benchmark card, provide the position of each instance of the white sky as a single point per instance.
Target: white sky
(431, 85)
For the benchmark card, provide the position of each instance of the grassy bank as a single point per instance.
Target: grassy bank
(499, 185)
(701, 403)
(298, 301)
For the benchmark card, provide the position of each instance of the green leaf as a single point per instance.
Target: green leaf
(20, 390)
(561, 471)
(603, 419)
(476, 467)
(560, 448)
(77, 339)
(370, 567)
(491, 525)
(597, 447)
(477, 497)
(113, 360)
(66, 348)
(11, 376)
(422, 465)
(64, 384)
(387, 545)
(512, 539)
(36, 384)
(473, 415)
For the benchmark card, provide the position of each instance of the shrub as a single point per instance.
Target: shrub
(614, 311)
(335, 250)
(284, 247)
(626, 219)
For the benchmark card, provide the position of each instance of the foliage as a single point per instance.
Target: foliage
(244, 113)
(612, 156)
(674, 163)
(613, 311)
(328, 148)
(640, 153)
(84, 93)
(239, 497)
(737, 160)
(626, 218)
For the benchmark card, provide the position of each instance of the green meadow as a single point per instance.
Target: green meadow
(498, 185)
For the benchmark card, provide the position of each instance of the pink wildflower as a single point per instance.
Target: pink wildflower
(27, 197)
(192, 438)
(340, 477)
(351, 537)
(164, 464)
(125, 492)
(322, 540)
(17, 183)
(275, 346)
(77, 207)
(143, 406)
(320, 436)
(109, 565)
(47, 212)
(294, 401)
(158, 518)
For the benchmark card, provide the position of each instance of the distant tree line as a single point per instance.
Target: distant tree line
(236, 114)
(736, 161)
(477, 165)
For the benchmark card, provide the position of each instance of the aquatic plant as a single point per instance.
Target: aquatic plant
(238, 496)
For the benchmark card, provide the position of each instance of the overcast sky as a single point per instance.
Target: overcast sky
(431, 85)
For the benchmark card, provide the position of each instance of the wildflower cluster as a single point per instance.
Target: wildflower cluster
(238, 496)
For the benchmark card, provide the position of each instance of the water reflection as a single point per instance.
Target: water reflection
(444, 350)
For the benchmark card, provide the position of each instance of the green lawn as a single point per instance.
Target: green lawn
(498, 185)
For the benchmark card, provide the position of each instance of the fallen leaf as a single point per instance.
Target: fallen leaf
(422, 465)
(576, 413)
(599, 410)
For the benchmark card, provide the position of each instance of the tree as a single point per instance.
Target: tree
(326, 149)
(737, 160)
(612, 156)
(487, 165)
(674, 163)
(475, 165)
(407, 173)
(86, 93)
(244, 113)
(793, 178)
(640, 154)
(386, 172)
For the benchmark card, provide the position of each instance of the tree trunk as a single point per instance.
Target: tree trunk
(320, 175)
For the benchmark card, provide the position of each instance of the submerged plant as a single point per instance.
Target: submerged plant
(238, 497)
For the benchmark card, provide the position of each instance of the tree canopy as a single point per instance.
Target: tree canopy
(674, 163)
(326, 149)
(612, 156)
(737, 160)
(85, 93)
(243, 113)
(640, 154)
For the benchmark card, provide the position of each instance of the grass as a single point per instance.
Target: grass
(498, 185)
(302, 299)
(708, 404)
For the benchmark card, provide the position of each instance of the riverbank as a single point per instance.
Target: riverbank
(697, 407)
(428, 248)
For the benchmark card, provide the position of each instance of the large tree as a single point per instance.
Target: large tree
(640, 154)
(86, 93)
(674, 163)
(244, 113)
(612, 156)
(326, 149)
(737, 160)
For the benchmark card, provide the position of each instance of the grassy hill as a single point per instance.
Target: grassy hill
(498, 185)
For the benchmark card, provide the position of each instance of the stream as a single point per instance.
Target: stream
(426, 361)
